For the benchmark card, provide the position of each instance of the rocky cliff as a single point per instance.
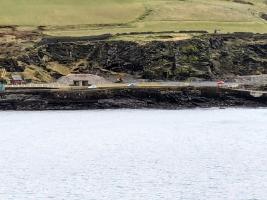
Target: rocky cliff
(209, 56)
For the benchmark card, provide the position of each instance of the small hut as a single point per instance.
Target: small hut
(16, 79)
(81, 80)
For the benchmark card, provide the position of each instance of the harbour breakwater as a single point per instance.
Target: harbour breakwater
(163, 98)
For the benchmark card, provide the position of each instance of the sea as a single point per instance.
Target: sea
(197, 154)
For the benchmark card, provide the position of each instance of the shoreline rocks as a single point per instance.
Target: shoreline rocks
(135, 98)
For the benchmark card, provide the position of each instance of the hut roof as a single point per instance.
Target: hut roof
(92, 79)
(16, 77)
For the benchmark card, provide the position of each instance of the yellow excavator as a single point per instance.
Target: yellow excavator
(120, 78)
(2, 74)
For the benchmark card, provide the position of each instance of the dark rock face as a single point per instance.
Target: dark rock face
(238, 55)
(11, 65)
(264, 16)
(206, 57)
(154, 60)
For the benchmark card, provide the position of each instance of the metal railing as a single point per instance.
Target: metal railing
(32, 85)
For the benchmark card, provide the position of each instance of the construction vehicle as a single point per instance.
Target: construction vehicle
(2, 74)
(119, 78)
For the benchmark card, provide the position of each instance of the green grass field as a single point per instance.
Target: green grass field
(84, 17)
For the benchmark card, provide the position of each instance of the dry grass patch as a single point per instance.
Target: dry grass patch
(86, 17)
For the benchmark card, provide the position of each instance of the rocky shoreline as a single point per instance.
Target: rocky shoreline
(43, 59)
(134, 98)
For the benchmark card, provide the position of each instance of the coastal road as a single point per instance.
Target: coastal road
(167, 84)
(126, 85)
(252, 80)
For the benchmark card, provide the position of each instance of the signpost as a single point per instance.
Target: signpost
(2, 87)
(2, 81)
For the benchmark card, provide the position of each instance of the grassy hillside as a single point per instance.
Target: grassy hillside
(80, 17)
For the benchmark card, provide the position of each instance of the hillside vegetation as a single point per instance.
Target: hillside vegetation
(83, 17)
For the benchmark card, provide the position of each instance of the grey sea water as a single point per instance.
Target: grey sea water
(134, 155)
